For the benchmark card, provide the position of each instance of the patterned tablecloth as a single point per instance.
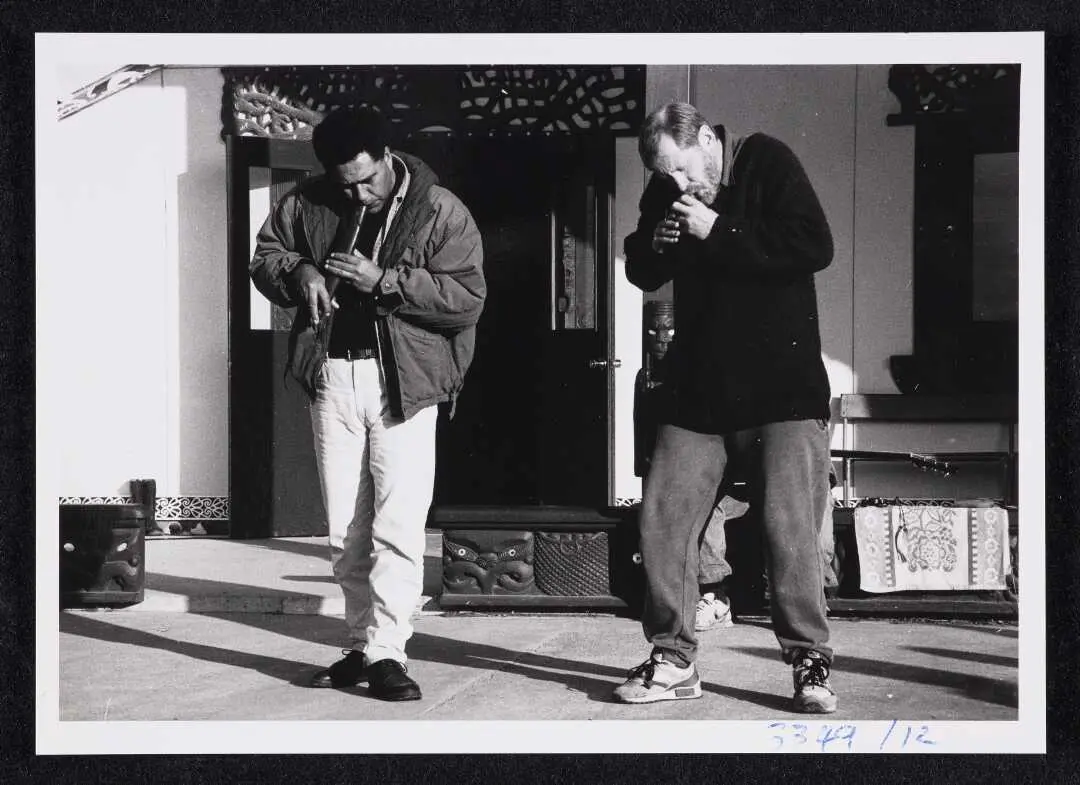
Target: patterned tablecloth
(932, 548)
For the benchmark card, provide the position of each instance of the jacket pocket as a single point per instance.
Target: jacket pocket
(307, 354)
(425, 365)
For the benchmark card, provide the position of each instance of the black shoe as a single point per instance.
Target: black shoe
(388, 681)
(346, 672)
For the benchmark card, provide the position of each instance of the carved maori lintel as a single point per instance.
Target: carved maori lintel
(955, 88)
(287, 101)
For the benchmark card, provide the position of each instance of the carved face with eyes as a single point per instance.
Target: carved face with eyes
(659, 331)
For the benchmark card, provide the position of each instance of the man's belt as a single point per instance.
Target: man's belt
(352, 354)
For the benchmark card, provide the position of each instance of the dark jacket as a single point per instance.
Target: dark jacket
(747, 349)
(429, 299)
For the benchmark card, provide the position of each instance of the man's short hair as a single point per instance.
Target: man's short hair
(345, 133)
(680, 121)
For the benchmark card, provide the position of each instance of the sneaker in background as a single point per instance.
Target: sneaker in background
(712, 612)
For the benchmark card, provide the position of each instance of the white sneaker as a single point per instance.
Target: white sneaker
(712, 611)
(658, 679)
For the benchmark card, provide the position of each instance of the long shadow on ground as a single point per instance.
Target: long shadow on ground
(186, 586)
(590, 679)
(88, 627)
(998, 691)
(969, 656)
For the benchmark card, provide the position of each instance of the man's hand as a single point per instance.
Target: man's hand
(312, 287)
(694, 217)
(666, 233)
(359, 271)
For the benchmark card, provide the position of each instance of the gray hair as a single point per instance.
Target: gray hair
(680, 121)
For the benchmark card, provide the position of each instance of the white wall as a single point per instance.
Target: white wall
(132, 328)
(102, 284)
(202, 318)
(629, 185)
(810, 109)
(884, 212)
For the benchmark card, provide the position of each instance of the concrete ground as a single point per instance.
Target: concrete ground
(253, 666)
(231, 630)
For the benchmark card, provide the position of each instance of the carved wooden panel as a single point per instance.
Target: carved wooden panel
(955, 88)
(573, 563)
(488, 562)
(287, 101)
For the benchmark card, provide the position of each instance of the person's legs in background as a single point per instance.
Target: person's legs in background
(827, 540)
(714, 605)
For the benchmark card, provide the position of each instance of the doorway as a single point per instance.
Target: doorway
(533, 425)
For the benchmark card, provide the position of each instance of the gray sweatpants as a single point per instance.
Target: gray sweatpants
(787, 468)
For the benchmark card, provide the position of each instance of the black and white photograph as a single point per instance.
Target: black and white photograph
(443, 393)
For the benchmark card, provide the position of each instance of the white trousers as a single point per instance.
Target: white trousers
(377, 475)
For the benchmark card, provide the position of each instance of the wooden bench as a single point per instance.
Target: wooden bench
(1002, 409)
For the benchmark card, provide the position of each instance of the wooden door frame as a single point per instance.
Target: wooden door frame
(250, 507)
(605, 212)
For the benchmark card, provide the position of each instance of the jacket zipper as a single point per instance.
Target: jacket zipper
(378, 348)
(381, 327)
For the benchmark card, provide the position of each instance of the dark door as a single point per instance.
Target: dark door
(273, 480)
(532, 426)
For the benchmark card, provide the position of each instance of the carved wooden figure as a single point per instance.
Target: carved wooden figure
(490, 561)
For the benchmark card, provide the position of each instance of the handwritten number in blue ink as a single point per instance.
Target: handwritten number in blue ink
(840, 733)
(779, 739)
(922, 738)
(888, 733)
(800, 732)
(847, 733)
(824, 737)
(796, 733)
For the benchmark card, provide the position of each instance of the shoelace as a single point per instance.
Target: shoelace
(348, 652)
(395, 664)
(350, 656)
(814, 672)
(646, 670)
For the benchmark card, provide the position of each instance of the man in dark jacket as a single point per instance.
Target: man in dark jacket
(384, 332)
(735, 223)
